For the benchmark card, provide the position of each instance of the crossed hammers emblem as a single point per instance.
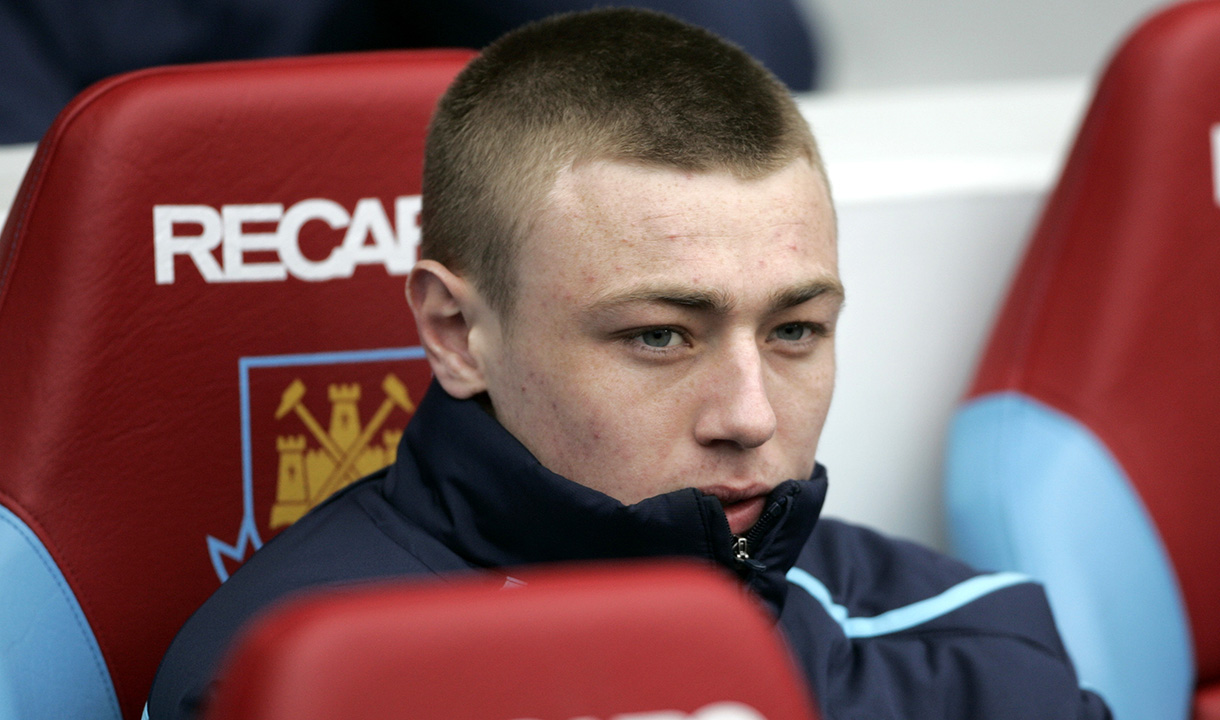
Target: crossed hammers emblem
(345, 458)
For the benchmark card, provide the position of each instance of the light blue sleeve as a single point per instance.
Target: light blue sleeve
(1032, 490)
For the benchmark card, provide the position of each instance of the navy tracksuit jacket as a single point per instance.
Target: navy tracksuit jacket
(883, 628)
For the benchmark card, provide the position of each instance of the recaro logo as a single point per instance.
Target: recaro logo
(369, 239)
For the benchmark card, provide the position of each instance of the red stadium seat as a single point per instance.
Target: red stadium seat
(202, 334)
(660, 641)
(1087, 452)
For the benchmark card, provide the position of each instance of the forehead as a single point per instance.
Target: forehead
(619, 223)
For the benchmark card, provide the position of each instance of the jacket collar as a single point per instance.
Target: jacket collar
(470, 484)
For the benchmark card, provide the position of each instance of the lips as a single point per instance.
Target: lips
(742, 506)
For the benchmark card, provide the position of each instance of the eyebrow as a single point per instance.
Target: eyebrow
(801, 294)
(714, 301)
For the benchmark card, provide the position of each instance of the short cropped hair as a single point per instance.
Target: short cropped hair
(613, 84)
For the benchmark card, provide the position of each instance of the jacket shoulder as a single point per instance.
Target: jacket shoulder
(889, 628)
(870, 572)
(355, 536)
(878, 585)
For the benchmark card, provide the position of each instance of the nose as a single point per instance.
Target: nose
(736, 408)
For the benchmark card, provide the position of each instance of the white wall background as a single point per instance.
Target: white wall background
(937, 192)
(888, 43)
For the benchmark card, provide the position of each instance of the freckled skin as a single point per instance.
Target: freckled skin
(730, 401)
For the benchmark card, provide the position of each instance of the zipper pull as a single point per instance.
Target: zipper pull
(741, 552)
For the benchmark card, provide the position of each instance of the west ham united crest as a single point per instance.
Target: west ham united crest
(312, 424)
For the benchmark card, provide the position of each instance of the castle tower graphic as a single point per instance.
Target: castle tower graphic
(291, 488)
(344, 417)
(344, 451)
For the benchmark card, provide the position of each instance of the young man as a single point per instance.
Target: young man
(628, 297)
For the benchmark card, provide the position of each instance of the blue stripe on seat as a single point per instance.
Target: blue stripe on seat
(52, 665)
(908, 616)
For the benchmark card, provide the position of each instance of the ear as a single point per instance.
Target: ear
(447, 308)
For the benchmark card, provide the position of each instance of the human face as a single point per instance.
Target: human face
(673, 330)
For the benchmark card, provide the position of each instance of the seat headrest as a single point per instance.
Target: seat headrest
(1114, 316)
(663, 640)
(200, 257)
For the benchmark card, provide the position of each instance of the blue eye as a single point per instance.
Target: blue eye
(659, 337)
(794, 332)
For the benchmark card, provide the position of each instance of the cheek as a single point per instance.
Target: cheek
(623, 445)
(804, 403)
(573, 418)
(615, 424)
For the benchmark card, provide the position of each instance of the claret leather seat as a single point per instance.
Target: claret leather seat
(660, 640)
(202, 334)
(1086, 454)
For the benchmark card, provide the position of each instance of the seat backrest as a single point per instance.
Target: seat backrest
(660, 641)
(202, 334)
(1086, 453)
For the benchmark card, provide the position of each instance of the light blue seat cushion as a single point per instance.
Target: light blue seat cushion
(1032, 490)
(50, 665)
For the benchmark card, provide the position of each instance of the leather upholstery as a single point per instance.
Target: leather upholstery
(1207, 703)
(669, 640)
(192, 279)
(1113, 319)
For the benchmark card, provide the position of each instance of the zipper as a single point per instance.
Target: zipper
(743, 545)
(741, 553)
